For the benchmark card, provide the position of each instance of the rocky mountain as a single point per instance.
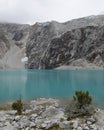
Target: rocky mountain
(76, 43)
(13, 38)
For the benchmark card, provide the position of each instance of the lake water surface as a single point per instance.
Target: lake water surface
(32, 84)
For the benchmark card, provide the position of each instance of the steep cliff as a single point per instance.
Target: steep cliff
(76, 43)
(84, 43)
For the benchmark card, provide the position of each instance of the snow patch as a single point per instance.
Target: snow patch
(25, 59)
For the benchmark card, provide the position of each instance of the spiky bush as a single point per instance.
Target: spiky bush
(82, 98)
(80, 105)
(18, 105)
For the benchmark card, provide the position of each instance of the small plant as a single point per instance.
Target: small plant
(62, 119)
(82, 98)
(18, 105)
(80, 105)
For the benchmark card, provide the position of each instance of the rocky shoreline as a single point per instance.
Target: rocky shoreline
(48, 114)
(66, 67)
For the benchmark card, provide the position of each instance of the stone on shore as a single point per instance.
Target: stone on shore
(48, 114)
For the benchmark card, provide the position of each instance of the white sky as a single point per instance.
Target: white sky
(31, 11)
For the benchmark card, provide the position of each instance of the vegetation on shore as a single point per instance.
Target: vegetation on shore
(80, 105)
(18, 105)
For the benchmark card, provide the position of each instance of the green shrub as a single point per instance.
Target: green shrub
(82, 98)
(18, 105)
(80, 105)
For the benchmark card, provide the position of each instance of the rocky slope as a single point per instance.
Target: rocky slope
(13, 39)
(77, 43)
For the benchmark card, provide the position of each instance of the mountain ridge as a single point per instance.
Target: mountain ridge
(51, 44)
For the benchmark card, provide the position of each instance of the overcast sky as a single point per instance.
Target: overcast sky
(31, 11)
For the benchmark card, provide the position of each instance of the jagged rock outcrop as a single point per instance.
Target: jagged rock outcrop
(78, 43)
(83, 43)
(54, 44)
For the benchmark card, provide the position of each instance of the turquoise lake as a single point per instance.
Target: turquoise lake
(32, 84)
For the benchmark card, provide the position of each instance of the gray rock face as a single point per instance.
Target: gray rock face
(38, 41)
(53, 44)
(50, 45)
(83, 43)
(4, 44)
(13, 39)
